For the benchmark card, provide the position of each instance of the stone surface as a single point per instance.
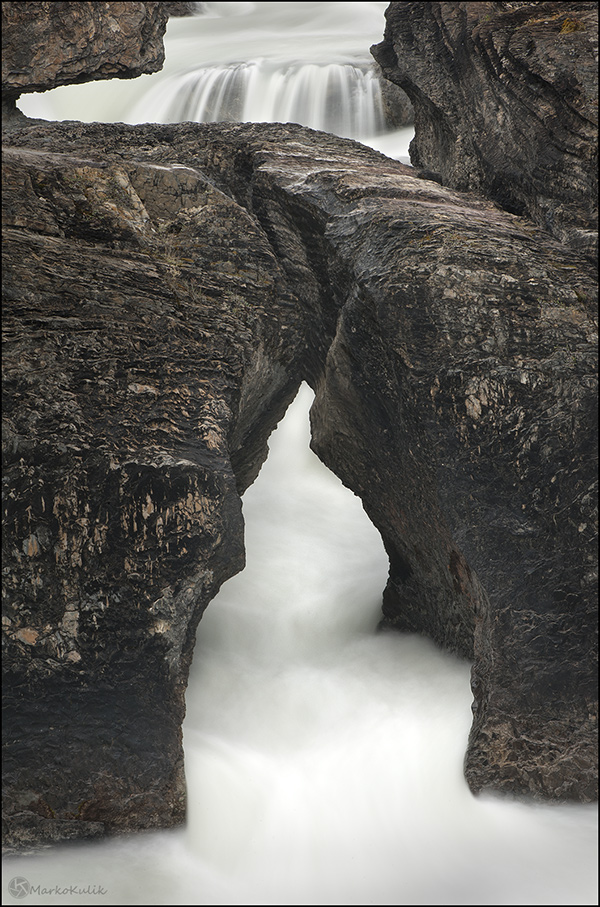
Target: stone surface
(49, 44)
(506, 104)
(166, 289)
(182, 9)
(122, 513)
(397, 107)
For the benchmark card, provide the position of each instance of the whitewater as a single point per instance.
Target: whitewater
(324, 759)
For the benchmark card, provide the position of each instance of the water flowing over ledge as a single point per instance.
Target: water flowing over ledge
(254, 62)
(339, 98)
(290, 811)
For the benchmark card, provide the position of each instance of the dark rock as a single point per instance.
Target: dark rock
(429, 175)
(397, 106)
(166, 290)
(182, 9)
(506, 104)
(31, 827)
(49, 44)
(12, 116)
(118, 439)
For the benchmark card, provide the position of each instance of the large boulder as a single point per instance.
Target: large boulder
(166, 291)
(149, 356)
(506, 104)
(45, 45)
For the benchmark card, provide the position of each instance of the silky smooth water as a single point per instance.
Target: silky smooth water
(306, 63)
(324, 760)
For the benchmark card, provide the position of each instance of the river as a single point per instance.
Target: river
(323, 759)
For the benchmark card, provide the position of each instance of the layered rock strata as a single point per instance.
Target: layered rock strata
(506, 104)
(166, 290)
(45, 45)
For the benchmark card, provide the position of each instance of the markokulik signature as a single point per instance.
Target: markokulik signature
(20, 887)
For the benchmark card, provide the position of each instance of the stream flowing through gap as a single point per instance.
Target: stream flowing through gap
(323, 759)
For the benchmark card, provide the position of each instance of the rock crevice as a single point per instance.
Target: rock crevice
(166, 289)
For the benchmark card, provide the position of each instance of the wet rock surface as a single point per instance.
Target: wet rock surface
(118, 439)
(45, 45)
(506, 104)
(166, 289)
(161, 307)
(183, 9)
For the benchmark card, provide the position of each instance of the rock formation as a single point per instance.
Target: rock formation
(49, 44)
(181, 9)
(506, 104)
(166, 290)
(398, 110)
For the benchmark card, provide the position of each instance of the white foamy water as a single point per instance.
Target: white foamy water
(324, 759)
(306, 63)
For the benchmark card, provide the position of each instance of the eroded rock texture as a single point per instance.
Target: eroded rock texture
(161, 307)
(149, 352)
(182, 9)
(165, 291)
(49, 44)
(506, 104)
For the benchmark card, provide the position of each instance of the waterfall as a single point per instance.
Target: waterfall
(323, 759)
(341, 98)
(302, 62)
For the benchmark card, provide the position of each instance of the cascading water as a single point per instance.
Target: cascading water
(306, 63)
(323, 760)
(339, 98)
